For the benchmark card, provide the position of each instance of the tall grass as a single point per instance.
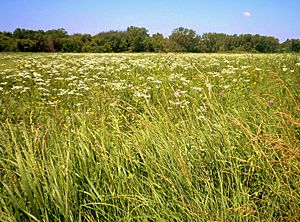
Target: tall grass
(231, 157)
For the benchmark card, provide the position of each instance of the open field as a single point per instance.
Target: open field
(149, 137)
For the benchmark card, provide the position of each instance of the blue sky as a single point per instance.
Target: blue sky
(279, 18)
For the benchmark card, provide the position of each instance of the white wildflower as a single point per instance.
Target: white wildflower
(17, 87)
(198, 89)
(208, 85)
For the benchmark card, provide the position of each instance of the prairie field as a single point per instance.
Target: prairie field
(149, 137)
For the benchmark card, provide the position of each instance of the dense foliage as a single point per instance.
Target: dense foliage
(149, 137)
(136, 39)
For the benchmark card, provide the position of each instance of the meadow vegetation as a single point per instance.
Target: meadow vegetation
(149, 137)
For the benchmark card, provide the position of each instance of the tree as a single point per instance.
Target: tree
(157, 43)
(54, 40)
(7, 44)
(265, 43)
(215, 42)
(186, 39)
(73, 43)
(112, 41)
(137, 39)
(26, 45)
(291, 45)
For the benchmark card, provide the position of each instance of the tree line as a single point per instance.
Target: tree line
(138, 39)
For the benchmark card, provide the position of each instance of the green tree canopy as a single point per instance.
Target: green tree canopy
(138, 39)
(186, 39)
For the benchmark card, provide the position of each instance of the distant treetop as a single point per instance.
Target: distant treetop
(138, 39)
